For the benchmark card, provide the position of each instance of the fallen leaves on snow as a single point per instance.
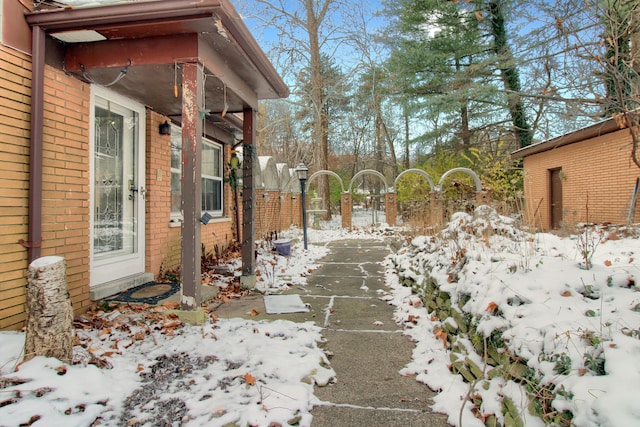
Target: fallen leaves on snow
(249, 379)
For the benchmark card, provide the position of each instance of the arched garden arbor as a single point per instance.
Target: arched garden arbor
(438, 201)
(325, 172)
(346, 201)
(419, 210)
(391, 197)
(436, 190)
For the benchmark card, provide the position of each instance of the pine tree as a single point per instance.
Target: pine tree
(455, 57)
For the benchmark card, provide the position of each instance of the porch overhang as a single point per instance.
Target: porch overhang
(150, 40)
(186, 59)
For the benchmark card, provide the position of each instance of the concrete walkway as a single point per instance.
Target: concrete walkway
(367, 347)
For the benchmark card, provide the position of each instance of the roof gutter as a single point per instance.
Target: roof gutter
(247, 42)
(121, 13)
(592, 131)
(140, 12)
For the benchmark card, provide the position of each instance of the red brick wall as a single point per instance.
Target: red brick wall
(161, 240)
(65, 192)
(346, 210)
(268, 214)
(65, 197)
(391, 208)
(163, 237)
(288, 215)
(277, 212)
(66, 185)
(15, 72)
(598, 177)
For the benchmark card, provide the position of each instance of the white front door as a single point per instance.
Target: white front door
(117, 187)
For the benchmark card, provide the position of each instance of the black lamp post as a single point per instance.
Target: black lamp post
(302, 171)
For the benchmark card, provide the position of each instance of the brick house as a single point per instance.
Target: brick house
(583, 176)
(117, 124)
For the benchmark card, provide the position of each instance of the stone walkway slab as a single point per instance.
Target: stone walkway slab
(367, 347)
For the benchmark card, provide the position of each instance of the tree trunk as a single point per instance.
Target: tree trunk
(392, 149)
(49, 329)
(510, 75)
(635, 49)
(465, 132)
(407, 163)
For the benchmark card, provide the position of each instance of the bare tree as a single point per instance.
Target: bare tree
(595, 63)
(279, 134)
(373, 94)
(622, 28)
(304, 32)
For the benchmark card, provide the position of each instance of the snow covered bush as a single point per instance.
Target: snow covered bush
(534, 336)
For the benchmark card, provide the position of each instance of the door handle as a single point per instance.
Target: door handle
(133, 190)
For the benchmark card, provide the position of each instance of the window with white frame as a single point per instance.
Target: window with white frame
(176, 162)
(211, 177)
(211, 174)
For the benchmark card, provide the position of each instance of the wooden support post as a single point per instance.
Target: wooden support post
(192, 87)
(248, 279)
(49, 326)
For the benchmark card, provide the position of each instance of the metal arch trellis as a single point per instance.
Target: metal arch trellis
(364, 172)
(325, 172)
(434, 188)
(468, 171)
(419, 172)
(390, 200)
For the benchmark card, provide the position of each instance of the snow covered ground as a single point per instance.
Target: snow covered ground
(577, 329)
(141, 367)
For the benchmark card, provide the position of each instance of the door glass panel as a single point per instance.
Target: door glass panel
(115, 186)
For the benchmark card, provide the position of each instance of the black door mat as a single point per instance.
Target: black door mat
(147, 293)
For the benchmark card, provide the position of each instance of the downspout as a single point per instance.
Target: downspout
(35, 157)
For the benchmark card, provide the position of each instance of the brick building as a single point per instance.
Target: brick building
(116, 127)
(582, 176)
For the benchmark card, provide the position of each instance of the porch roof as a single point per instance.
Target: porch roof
(148, 41)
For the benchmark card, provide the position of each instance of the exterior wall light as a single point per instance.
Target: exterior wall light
(165, 128)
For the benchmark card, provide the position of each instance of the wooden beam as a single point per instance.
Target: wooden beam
(120, 53)
(192, 89)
